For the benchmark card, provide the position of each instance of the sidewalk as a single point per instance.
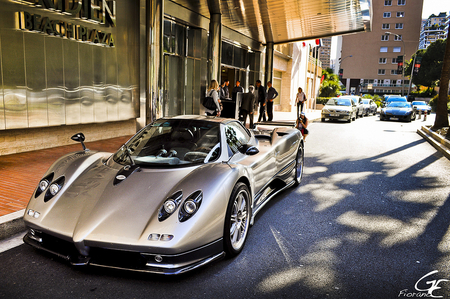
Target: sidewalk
(21, 173)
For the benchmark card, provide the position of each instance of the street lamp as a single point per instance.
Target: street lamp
(340, 63)
(403, 68)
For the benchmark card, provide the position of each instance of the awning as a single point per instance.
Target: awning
(284, 21)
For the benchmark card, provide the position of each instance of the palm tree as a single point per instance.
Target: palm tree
(441, 120)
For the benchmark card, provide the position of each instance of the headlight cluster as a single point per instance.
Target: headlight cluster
(188, 207)
(51, 188)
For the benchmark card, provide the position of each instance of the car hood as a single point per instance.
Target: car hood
(91, 206)
(397, 110)
(337, 108)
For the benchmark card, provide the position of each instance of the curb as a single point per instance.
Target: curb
(11, 224)
(440, 143)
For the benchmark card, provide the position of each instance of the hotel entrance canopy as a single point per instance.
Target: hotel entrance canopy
(284, 21)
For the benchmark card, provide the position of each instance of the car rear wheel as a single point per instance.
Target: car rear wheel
(299, 160)
(237, 220)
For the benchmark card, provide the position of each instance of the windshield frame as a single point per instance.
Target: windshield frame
(173, 142)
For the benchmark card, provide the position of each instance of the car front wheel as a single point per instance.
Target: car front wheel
(237, 220)
(299, 160)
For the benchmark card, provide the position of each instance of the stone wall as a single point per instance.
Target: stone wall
(25, 140)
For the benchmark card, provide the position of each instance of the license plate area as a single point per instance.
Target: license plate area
(394, 118)
(334, 114)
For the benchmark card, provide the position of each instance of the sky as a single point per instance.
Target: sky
(434, 7)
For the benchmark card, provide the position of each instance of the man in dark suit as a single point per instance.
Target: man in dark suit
(272, 93)
(262, 98)
(248, 106)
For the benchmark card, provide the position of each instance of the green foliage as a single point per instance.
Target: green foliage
(330, 85)
(431, 65)
(433, 103)
(322, 100)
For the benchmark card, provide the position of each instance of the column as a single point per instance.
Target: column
(215, 47)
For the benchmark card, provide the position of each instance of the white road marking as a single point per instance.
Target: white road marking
(12, 242)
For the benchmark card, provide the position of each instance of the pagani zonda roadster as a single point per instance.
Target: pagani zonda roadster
(179, 194)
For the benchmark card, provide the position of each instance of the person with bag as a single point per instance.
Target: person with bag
(302, 123)
(211, 101)
(300, 100)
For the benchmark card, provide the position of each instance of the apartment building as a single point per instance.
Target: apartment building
(325, 52)
(370, 60)
(434, 28)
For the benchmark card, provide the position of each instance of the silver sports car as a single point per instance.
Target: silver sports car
(181, 193)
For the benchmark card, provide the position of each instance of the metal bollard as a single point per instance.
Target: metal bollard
(420, 114)
(425, 116)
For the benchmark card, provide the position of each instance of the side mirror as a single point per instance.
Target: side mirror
(79, 137)
(248, 149)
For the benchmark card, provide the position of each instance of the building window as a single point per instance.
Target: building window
(397, 37)
(385, 37)
(382, 60)
(381, 71)
(394, 60)
(401, 2)
(400, 14)
(399, 26)
(383, 49)
(386, 15)
(393, 72)
(397, 49)
(386, 26)
(387, 2)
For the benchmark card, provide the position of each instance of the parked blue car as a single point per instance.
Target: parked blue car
(398, 111)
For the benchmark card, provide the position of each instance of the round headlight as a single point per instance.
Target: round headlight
(43, 185)
(54, 188)
(170, 206)
(190, 206)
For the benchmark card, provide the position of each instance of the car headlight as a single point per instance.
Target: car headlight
(170, 205)
(325, 110)
(54, 188)
(190, 206)
(43, 185)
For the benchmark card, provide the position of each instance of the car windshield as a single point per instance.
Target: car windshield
(339, 102)
(172, 142)
(399, 105)
(419, 103)
(392, 99)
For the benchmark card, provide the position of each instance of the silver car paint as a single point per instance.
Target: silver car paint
(90, 211)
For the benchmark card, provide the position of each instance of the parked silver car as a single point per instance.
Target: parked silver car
(358, 103)
(339, 108)
(421, 106)
(181, 193)
(369, 107)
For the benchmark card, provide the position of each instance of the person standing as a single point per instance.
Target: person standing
(262, 98)
(272, 93)
(213, 92)
(300, 100)
(248, 106)
(236, 89)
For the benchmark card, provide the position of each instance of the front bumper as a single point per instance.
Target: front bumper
(128, 260)
(389, 116)
(336, 115)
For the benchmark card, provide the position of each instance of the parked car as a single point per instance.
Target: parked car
(398, 111)
(421, 106)
(369, 107)
(179, 194)
(394, 99)
(359, 104)
(339, 108)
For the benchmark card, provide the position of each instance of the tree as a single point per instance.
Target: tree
(330, 85)
(441, 120)
(431, 66)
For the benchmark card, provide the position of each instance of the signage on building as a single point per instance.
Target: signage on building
(102, 12)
